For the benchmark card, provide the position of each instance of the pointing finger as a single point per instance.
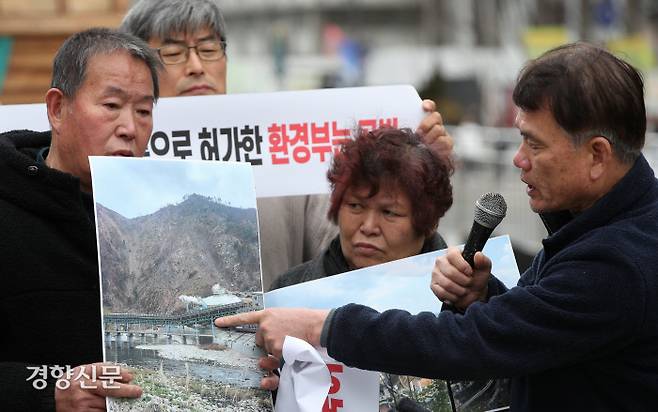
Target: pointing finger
(239, 319)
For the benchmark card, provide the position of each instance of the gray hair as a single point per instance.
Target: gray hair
(72, 58)
(624, 151)
(160, 18)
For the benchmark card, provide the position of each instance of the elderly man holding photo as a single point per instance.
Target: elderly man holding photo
(580, 330)
(104, 86)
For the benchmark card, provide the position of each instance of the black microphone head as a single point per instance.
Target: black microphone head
(490, 209)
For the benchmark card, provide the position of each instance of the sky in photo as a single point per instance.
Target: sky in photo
(141, 186)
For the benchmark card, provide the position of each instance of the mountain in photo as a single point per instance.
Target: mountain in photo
(149, 261)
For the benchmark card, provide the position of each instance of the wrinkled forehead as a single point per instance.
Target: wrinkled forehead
(385, 185)
(190, 30)
(104, 71)
(184, 37)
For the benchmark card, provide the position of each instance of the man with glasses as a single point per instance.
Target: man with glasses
(175, 28)
(190, 37)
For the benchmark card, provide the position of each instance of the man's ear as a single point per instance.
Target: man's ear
(55, 105)
(601, 152)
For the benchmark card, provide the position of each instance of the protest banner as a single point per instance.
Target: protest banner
(289, 137)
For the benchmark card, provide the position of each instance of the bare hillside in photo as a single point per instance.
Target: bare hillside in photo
(183, 249)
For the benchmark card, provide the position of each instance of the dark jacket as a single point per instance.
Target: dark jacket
(49, 299)
(332, 262)
(579, 333)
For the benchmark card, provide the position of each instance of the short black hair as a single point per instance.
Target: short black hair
(590, 92)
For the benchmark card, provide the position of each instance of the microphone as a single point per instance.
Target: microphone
(490, 209)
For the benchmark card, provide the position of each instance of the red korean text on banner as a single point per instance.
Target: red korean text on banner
(333, 403)
(299, 142)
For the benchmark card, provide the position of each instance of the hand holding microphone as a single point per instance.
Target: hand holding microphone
(457, 278)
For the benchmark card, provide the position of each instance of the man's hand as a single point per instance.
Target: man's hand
(87, 394)
(455, 282)
(432, 130)
(276, 323)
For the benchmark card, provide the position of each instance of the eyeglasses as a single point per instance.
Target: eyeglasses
(207, 50)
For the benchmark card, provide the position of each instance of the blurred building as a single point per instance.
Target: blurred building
(31, 31)
(463, 53)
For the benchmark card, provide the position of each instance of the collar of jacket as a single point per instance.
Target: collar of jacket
(51, 193)
(563, 226)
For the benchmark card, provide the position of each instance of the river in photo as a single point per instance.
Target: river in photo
(226, 358)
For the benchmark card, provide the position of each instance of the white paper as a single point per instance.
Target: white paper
(305, 379)
(399, 284)
(352, 389)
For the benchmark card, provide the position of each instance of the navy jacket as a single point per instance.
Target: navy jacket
(578, 333)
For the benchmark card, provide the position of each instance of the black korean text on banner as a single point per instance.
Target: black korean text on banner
(239, 144)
